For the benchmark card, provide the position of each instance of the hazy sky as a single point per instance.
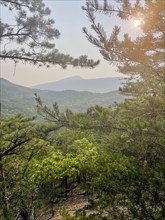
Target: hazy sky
(69, 19)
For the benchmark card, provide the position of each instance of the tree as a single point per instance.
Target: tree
(58, 174)
(32, 35)
(140, 58)
(143, 117)
(130, 174)
(21, 140)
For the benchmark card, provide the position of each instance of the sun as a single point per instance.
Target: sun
(137, 22)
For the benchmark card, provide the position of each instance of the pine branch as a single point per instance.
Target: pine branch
(14, 147)
(15, 3)
(15, 34)
(60, 59)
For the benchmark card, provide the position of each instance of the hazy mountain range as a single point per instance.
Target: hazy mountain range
(76, 83)
(15, 98)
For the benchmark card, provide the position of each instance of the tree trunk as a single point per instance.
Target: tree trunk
(1, 171)
(66, 186)
(24, 215)
(3, 194)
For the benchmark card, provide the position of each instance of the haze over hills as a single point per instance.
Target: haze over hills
(15, 98)
(76, 83)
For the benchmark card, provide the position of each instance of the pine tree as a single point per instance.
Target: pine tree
(143, 117)
(32, 36)
(142, 58)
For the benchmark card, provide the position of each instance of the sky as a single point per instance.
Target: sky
(69, 19)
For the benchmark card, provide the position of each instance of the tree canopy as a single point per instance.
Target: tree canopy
(32, 35)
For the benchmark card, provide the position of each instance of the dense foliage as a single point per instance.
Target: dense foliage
(115, 154)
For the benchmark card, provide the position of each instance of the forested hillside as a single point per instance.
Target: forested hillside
(112, 159)
(21, 99)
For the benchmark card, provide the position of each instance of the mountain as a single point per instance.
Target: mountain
(76, 83)
(15, 98)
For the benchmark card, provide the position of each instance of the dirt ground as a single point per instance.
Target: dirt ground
(73, 203)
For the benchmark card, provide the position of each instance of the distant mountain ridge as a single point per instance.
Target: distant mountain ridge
(76, 83)
(15, 98)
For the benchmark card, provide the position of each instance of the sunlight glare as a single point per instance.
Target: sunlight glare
(137, 22)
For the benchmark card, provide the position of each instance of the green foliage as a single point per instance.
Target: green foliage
(115, 154)
(21, 140)
(58, 167)
(137, 132)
